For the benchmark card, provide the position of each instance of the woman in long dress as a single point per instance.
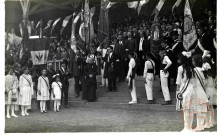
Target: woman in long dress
(11, 93)
(43, 90)
(26, 91)
(209, 69)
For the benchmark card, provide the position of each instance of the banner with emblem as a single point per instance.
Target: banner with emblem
(39, 50)
(190, 35)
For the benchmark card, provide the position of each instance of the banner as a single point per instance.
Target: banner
(110, 4)
(103, 25)
(55, 23)
(158, 8)
(65, 22)
(39, 49)
(176, 4)
(190, 35)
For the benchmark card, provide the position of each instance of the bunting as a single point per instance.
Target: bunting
(176, 4)
(157, 9)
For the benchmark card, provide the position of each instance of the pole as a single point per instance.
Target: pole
(89, 29)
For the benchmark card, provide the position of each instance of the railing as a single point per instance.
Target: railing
(56, 64)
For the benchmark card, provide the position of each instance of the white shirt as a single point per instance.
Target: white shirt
(167, 61)
(148, 65)
(140, 43)
(132, 65)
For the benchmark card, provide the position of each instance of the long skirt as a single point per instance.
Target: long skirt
(25, 96)
(91, 92)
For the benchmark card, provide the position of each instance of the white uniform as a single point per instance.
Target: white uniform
(103, 80)
(149, 77)
(132, 65)
(164, 78)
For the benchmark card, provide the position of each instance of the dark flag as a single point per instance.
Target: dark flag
(25, 37)
(103, 26)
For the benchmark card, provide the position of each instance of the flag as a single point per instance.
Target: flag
(39, 49)
(141, 3)
(86, 30)
(133, 4)
(110, 4)
(55, 23)
(25, 37)
(158, 8)
(48, 24)
(73, 38)
(190, 35)
(176, 4)
(65, 22)
(103, 25)
(137, 5)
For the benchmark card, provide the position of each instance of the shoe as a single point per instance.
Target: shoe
(14, 115)
(42, 111)
(23, 114)
(150, 102)
(185, 130)
(45, 111)
(58, 110)
(197, 129)
(8, 116)
(66, 106)
(27, 113)
(133, 102)
(166, 103)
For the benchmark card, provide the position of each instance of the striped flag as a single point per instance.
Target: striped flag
(39, 50)
(190, 35)
(176, 4)
(158, 8)
(142, 2)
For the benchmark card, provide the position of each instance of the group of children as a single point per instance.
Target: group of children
(196, 91)
(20, 92)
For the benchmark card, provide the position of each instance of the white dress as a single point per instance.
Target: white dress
(43, 86)
(201, 98)
(56, 90)
(189, 92)
(11, 89)
(26, 90)
(211, 91)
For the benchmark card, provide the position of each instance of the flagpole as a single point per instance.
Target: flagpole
(89, 29)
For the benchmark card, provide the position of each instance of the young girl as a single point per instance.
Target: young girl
(11, 92)
(201, 97)
(209, 69)
(185, 86)
(43, 90)
(26, 91)
(56, 92)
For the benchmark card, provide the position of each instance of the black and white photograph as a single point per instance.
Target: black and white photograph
(109, 66)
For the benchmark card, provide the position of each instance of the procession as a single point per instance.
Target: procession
(155, 55)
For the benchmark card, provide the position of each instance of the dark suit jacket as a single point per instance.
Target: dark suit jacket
(110, 66)
(50, 75)
(131, 45)
(91, 69)
(77, 66)
(145, 45)
(120, 51)
(206, 42)
(63, 78)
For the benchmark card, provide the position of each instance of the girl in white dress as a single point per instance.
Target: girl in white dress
(11, 92)
(43, 90)
(209, 69)
(56, 92)
(185, 88)
(26, 91)
(201, 97)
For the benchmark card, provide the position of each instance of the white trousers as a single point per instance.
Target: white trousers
(133, 92)
(103, 80)
(164, 85)
(149, 88)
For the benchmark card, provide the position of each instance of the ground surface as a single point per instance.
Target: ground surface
(77, 119)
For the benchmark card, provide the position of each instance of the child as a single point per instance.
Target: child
(11, 92)
(56, 92)
(185, 86)
(209, 69)
(43, 91)
(200, 109)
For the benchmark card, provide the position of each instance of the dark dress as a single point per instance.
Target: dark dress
(91, 69)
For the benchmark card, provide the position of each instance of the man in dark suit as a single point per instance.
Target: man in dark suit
(110, 69)
(77, 70)
(63, 72)
(130, 43)
(120, 51)
(50, 73)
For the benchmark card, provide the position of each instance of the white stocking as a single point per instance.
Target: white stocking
(41, 105)
(8, 110)
(12, 109)
(55, 105)
(44, 105)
